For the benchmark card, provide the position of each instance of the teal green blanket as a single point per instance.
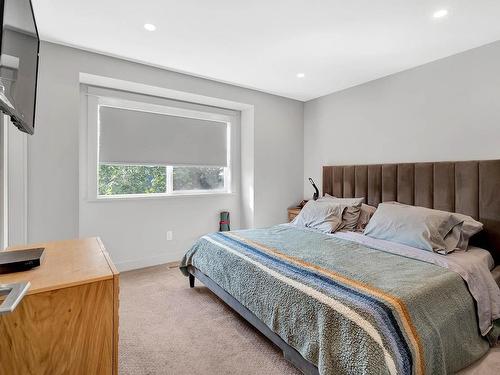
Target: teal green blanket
(347, 308)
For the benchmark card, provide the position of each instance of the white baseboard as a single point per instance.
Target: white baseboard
(134, 264)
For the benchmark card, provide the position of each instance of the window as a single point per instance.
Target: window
(131, 179)
(197, 178)
(145, 179)
(145, 149)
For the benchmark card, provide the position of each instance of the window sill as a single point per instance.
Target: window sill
(135, 197)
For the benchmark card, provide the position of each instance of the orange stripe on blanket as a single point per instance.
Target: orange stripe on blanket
(399, 305)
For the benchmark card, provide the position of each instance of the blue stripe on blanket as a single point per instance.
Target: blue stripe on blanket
(379, 311)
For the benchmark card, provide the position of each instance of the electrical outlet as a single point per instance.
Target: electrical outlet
(169, 235)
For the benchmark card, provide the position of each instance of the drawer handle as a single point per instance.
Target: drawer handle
(15, 293)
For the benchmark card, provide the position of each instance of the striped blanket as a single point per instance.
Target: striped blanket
(347, 308)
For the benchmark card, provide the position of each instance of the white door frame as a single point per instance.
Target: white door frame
(4, 229)
(13, 181)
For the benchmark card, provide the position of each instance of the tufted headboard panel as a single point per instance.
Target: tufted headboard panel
(468, 187)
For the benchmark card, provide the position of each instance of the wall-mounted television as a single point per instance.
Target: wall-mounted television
(19, 45)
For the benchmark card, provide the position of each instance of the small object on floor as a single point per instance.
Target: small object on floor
(224, 222)
(191, 281)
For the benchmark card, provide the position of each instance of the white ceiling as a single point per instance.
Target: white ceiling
(263, 44)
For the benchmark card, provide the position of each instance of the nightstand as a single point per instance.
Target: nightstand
(292, 212)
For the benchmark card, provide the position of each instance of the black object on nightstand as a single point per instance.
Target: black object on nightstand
(316, 190)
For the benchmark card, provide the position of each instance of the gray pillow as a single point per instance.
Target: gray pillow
(351, 213)
(365, 215)
(418, 227)
(470, 227)
(460, 234)
(345, 201)
(453, 238)
(323, 216)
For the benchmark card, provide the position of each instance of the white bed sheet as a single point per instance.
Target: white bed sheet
(473, 266)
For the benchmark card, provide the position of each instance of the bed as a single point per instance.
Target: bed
(338, 304)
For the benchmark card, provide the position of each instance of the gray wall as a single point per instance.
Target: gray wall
(445, 110)
(135, 231)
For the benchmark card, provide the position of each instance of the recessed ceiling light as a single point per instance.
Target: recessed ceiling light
(149, 27)
(440, 13)
(300, 75)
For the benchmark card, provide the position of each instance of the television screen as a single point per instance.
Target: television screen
(19, 45)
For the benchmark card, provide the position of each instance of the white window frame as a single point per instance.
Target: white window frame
(97, 98)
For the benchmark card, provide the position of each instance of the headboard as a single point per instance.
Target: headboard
(468, 187)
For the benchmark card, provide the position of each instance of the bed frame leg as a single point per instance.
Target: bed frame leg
(191, 281)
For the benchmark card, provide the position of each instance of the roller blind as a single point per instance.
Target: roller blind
(136, 137)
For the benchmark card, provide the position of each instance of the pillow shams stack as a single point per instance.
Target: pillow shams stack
(323, 216)
(419, 227)
(352, 210)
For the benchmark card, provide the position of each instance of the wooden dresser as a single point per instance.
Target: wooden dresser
(68, 321)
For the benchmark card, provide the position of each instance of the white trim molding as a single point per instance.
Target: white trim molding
(4, 186)
(14, 192)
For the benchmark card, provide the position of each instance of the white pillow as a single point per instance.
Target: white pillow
(323, 216)
(418, 227)
(461, 234)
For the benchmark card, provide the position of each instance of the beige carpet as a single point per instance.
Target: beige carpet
(168, 328)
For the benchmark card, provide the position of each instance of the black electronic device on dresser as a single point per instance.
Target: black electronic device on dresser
(20, 260)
